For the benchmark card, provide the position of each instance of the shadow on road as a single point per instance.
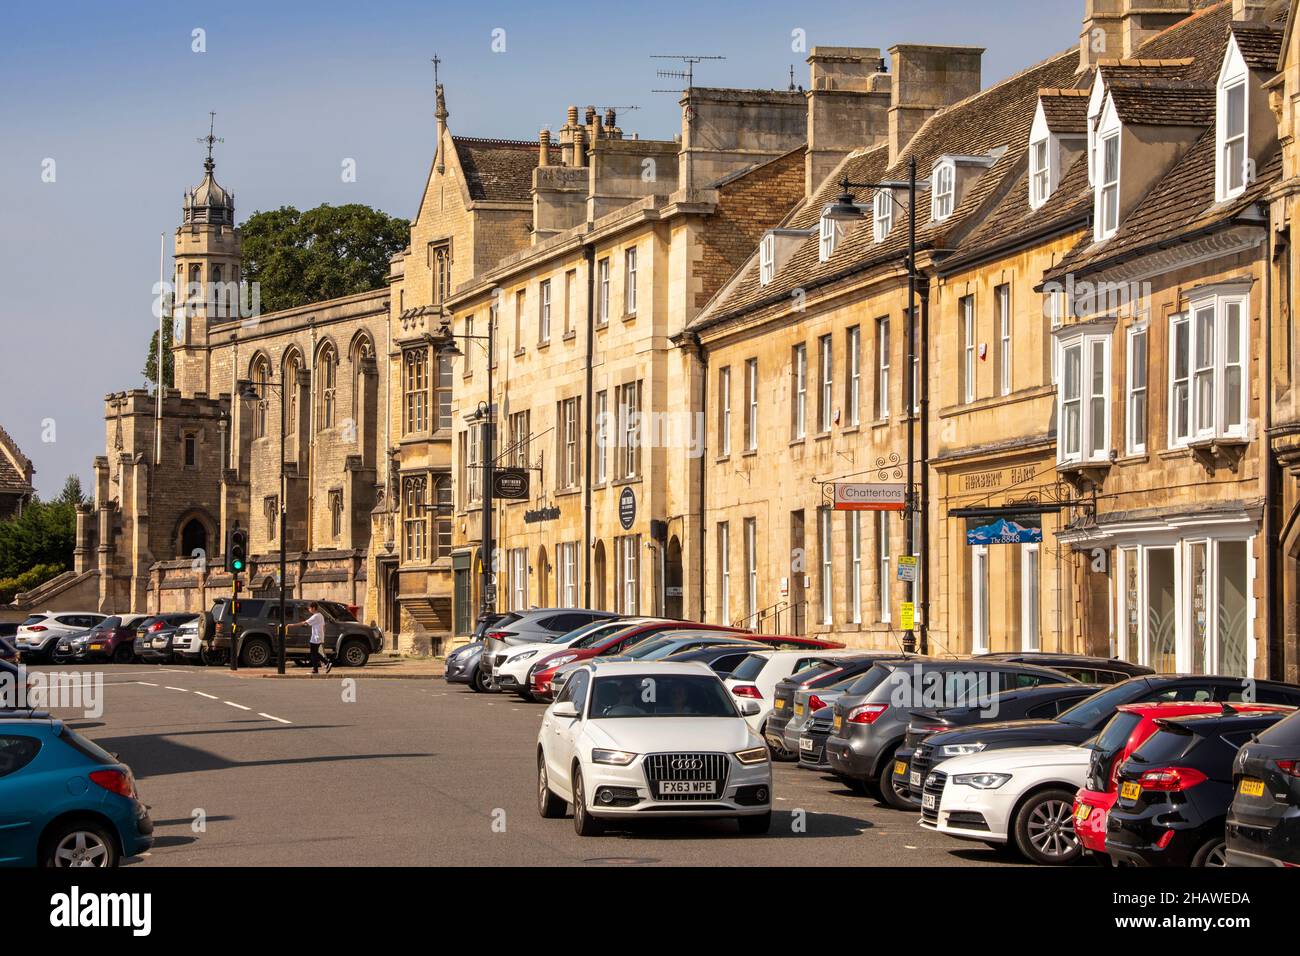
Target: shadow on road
(785, 824)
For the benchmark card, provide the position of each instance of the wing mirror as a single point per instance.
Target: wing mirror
(565, 708)
(749, 708)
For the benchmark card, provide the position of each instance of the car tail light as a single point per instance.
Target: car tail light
(495, 635)
(815, 703)
(38, 627)
(117, 781)
(1289, 767)
(867, 713)
(747, 690)
(1171, 779)
(156, 626)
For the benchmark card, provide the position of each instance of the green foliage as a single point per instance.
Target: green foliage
(150, 372)
(300, 257)
(9, 587)
(43, 536)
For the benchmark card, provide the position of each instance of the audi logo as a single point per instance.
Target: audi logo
(687, 763)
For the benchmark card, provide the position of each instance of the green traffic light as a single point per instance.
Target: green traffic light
(239, 565)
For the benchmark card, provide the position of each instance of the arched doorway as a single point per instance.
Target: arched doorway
(673, 592)
(598, 577)
(194, 537)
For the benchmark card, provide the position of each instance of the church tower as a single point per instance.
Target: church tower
(207, 276)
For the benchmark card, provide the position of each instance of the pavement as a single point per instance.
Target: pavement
(335, 771)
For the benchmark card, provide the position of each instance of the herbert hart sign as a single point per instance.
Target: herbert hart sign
(864, 496)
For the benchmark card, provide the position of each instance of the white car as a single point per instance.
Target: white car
(512, 674)
(627, 739)
(187, 642)
(1022, 796)
(756, 677)
(39, 635)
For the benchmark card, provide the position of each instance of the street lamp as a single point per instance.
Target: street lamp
(844, 209)
(443, 343)
(247, 390)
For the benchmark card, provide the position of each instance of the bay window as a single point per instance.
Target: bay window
(1083, 395)
(1136, 405)
(1207, 389)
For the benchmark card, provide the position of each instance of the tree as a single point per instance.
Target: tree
(44, 534)
(72, 493)
(300, 257)
(150, 372)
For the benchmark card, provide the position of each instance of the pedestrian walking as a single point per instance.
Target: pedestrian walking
(316, 642)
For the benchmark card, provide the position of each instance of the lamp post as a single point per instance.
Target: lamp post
(248, 390)
(444, 344)
(844, 209)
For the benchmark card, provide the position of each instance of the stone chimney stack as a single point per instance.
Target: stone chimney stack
(1114, 29)
(579, 146)
(597, 128)
(566, 137)
(848, 107)
(927, 79)
(544, 148)
(1261, 11)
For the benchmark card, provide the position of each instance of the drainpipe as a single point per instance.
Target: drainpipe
(590, 256)
(703, 355)
(1276, 652)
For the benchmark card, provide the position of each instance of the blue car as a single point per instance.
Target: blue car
(64, 801)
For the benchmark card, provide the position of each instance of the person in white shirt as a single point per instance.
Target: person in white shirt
(316, 642)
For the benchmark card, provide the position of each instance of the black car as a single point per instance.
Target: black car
(1043, 702)
(1087, 717)
(821, 674)
(1175, 790)
(722, 659)
(1082, 667)
(1264, 822)
(153, 635)
(870, 721)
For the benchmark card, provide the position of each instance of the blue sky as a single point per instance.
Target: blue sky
(114, 94)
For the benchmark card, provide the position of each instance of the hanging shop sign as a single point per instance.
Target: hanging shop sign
(870, 496)
(541, 514)
(1005, 529)
(510, 484)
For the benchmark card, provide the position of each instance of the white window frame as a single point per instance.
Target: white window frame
(724, 410)
(882, 369)
(724, 572)
(766, 259)
(602, 288)
(825, 585)
(1214, 368)
(826, 385)
(544, 312)
(943, 190)
(629, 280)
(1040, 172)
(1232, 176)
(885, 612)
(979, 599)
(799, 385)
(1002, 302)
(751, 571)
(1094, 393)
(568, 574)
(1107, 189)
(1030, 598)
(853, 370)
(519, 579)
(829, 234)
(751, 390)
(602, 436)
(967, 305)
(882, 214)
(1137, 402)
(855, 566)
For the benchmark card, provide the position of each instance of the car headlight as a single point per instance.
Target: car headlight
(981, 781)
(522, 657)
(560, 661)
(752, 756)
(960, 750)
(619, 758)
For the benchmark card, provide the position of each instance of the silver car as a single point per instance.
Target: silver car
(804, 708)
(38, 637)
(533, 627)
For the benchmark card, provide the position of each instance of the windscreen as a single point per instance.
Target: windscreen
(750, 667)
(1091, 711)
(660, 695)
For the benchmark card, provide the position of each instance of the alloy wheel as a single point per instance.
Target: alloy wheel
(82, 848)
(1051, 830)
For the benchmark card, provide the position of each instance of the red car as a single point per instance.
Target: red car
(543, 672)
(1123, 734)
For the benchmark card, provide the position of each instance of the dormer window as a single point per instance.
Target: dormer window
(766, 259)
(831, 232)
(943, 191)
(1231, 118)
(882, 218)
(1083, 393)
(1108, 187)
(1040, 173)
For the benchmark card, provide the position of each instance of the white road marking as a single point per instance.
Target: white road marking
(277, 719)
(145, 683)
(208, 696)
(181, 689)
(233, 704)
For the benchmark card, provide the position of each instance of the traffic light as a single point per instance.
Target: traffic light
(236, 550)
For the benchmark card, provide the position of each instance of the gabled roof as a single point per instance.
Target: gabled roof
(1260, 45)
(1066, 111)
(499, 170)
(1163, 104)
(15, 468)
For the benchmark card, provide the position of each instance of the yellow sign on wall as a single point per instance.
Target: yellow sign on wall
(907, 618)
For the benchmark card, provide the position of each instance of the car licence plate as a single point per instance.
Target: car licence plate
(780, 704)
(687, 786)
(1130, 790)
(1081, 813)
(96, 647)
(837, 723)
(927, 801)
(914, 778)
(900, 768)
(1251, 788)
(798, 710)
(805, 743)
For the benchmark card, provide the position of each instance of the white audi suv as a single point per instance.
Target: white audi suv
(629, 739)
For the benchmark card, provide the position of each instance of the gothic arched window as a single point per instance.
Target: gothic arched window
(327, 372)
(261, 382)
(290, 377)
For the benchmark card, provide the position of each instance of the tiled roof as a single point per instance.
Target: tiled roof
(994, 122)
(15, 467)
(1066, 111)
(497, 169)
(1203, 37)
(1164, 104)
(1260, 45)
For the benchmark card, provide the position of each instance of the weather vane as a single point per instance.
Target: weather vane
(211, 139)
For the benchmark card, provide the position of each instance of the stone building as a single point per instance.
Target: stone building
(16, 488)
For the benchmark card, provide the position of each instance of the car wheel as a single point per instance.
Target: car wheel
(355, 654)
(756, 825)
(256, 653)
(478, 682)
(1213, 853)
(891, 792)
(584, 824)
(549, 805)
(526, 695)
(1044, 828)
(123, 654)
(79, 843)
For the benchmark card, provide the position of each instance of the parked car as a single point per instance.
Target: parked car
(112, 639)
(1023, 796)
(347, 640)
(870, 723)
(613, 751)
(511, 670)
(812, 739)
(38, 637)
(1044, 702)
(64, 801)
(722, 659)
(1175, 790)
(187, 641)
(1082, 667)
(667, 643)
(1263, 827)
(533, 627)
(8, 651)
(1087, 717)
(154, 635)
(547, 676)
(462, 667)
(797, 697)
(1131, 726)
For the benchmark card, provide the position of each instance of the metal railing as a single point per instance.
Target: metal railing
(794, 615)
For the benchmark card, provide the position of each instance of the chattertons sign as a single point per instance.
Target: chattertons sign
(866, 496)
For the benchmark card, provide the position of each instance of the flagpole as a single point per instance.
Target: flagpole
(162, 310)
